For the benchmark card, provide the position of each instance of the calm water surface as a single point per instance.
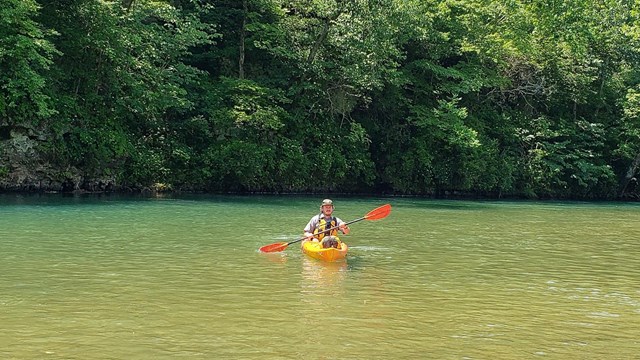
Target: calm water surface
(133, 278)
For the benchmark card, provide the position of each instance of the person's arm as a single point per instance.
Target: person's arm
(343, 227)
(311, 225)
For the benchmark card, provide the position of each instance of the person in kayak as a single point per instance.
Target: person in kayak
(317, 226)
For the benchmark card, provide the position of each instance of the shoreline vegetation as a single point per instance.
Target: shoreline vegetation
(163, 191)
(445, 99)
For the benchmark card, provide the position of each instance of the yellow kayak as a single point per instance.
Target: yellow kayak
(315, 250)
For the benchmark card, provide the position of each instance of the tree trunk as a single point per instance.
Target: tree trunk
(245, 10)
(319, 41)
(323, 36)
(629, 175)
(128, 4)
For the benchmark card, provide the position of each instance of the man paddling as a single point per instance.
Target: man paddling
(324, 226)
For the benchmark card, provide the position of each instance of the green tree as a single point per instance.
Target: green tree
(120, 79)
(25, 56)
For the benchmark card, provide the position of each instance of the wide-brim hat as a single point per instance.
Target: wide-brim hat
(327, 202)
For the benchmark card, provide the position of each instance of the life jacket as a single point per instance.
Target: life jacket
(323, 224)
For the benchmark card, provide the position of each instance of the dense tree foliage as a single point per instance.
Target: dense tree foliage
(497, 98)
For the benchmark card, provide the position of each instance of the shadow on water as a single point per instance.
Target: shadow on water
(356, 263)
(110, 198)
(445, 205)
(57, 199)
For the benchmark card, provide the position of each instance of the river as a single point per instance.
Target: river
(116, 277)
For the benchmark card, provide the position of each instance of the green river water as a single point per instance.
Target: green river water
(116, 277)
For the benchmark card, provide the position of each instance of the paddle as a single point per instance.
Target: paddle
(375, 214)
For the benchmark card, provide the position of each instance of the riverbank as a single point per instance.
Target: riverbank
(108, 188)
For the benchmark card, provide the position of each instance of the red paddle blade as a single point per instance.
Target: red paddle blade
(274, 247)
(379, 213)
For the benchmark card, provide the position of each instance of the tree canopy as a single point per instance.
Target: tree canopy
(478, 97)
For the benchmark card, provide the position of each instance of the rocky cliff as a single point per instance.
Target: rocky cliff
(24, 166)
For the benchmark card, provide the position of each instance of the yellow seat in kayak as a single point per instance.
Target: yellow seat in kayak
(316, 251)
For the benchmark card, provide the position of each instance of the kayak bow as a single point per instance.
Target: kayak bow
(315, 250)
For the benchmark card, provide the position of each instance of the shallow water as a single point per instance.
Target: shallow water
(135, 278)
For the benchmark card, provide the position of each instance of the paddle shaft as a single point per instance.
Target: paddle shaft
(327, 230)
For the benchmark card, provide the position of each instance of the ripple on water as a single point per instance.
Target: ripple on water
(184, 278)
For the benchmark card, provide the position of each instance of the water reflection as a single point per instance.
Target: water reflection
(276, 257)
(320, 279)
